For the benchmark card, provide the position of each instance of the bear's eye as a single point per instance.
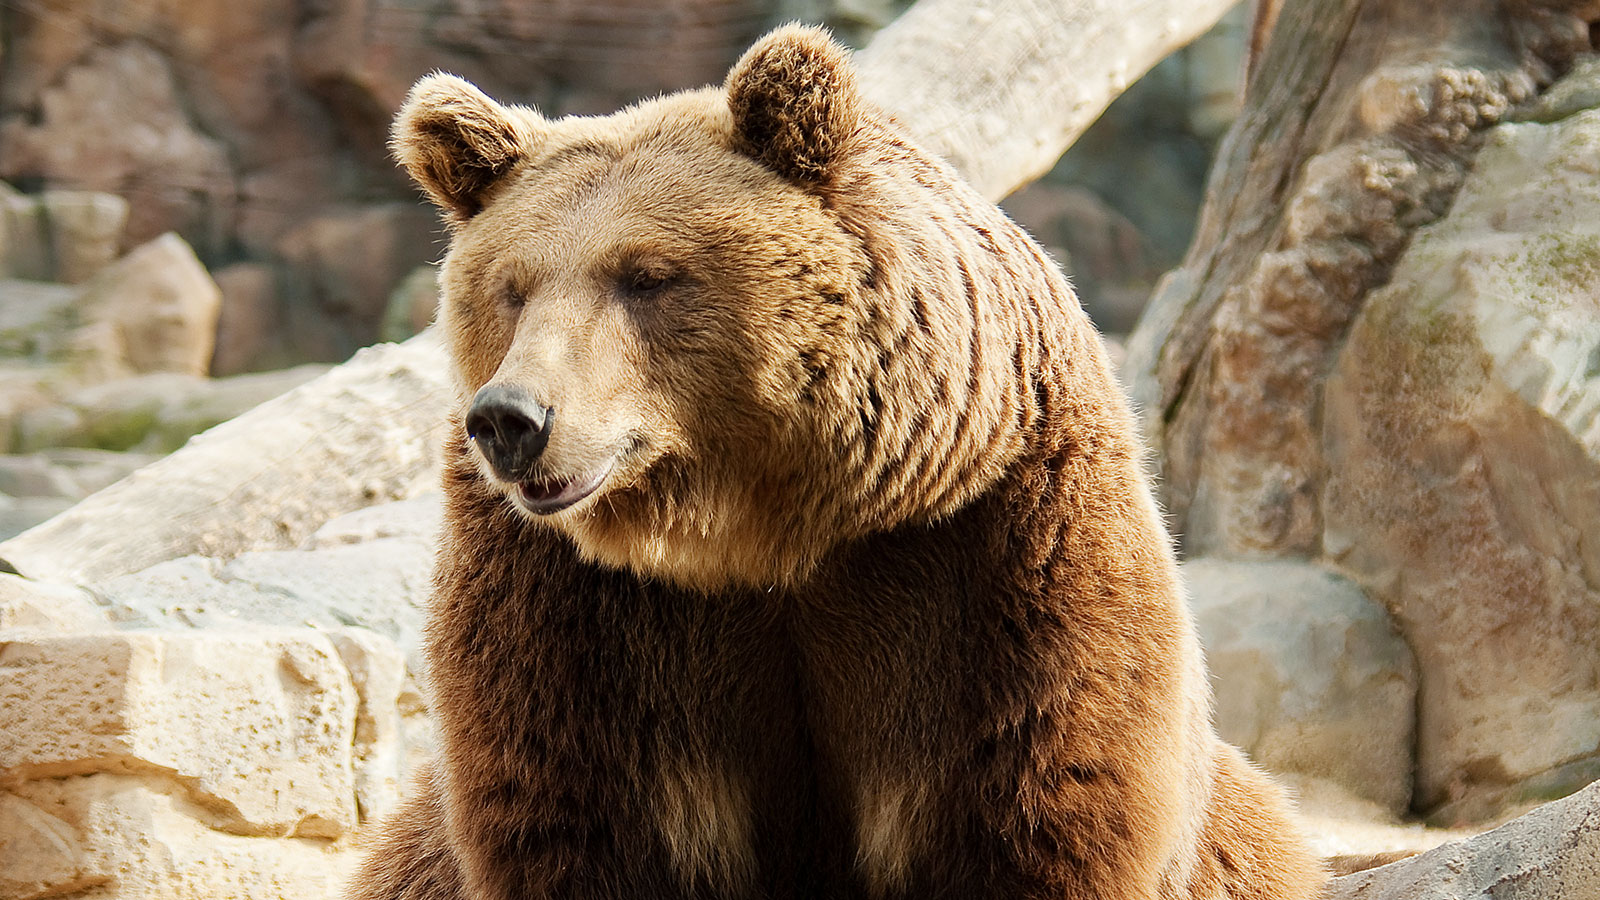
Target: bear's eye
(513, 298)
(646, 280)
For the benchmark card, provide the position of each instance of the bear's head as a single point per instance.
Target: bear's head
(713, 335)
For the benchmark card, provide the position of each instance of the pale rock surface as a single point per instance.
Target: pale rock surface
(1310, 676)
(159, 306)
(67, 472)
(364, 433)
(37, 318)
(152, 413)
(1552, 853)
(1462, 435)
(379, 584)
(35, 487)
(86, 230)
(40, 606)
(124, 837)
(257, 728)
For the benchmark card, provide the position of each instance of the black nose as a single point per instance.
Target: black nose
(510, 428)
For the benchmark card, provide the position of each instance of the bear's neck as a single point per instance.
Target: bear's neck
(985, 360)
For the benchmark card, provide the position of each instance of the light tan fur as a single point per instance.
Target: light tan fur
(704, 816)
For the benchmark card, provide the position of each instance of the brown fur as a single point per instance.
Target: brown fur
(873, 601)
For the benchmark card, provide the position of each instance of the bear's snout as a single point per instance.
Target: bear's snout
(510, 428)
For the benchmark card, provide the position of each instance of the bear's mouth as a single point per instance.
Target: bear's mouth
(548, 496)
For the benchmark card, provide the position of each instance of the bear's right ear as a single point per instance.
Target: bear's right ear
(795, 104)
(456, 142)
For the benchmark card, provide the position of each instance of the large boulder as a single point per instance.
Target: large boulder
(1462, 439)
(1310, 676)
(192, 764)
(157, 308)
(257, 729)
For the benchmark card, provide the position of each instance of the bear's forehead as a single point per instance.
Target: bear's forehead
(664, 172)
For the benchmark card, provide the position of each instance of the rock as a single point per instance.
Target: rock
(115, 120)
(85, 231)
(1552, 853)
(1310, 676)
(24, 237)
(412, 305)
(364, 433)
(40, 855)
(380, 584)
(18, 514)
(1462, 436)
(42, 606)
(418, 519)
(67, 472)
(1111, 267)
(37, 319)
(378, 670)
(255, 730)
(1353, 833)
(346, 262)
(1214, 73)
(137, 838)
(161, 307)
(153, 413)
(248, 320)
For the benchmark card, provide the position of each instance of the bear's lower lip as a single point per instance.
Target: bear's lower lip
(546, 497)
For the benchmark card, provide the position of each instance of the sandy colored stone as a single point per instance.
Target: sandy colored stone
(43, 606)
(138, 837)
(1310, 676)
(378, 670)
(257, 728)
(162, 306)
(1462, 432)
(86, 230)
(1552, 853)
(40, 855)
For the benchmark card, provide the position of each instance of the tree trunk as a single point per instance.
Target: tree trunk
(1001, 88)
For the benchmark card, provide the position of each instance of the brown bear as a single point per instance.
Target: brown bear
(798, 543)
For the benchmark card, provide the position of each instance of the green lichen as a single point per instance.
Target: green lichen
(121, 430)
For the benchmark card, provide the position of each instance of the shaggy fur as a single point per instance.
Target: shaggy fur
(872, 601)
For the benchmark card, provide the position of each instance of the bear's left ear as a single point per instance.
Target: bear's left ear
(796, 107)
(457, 143)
